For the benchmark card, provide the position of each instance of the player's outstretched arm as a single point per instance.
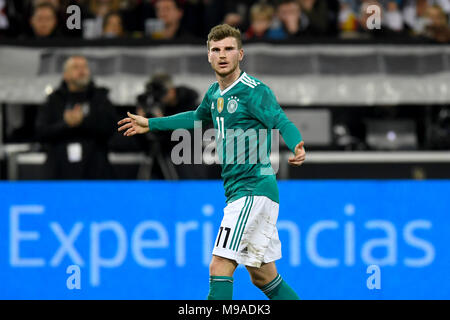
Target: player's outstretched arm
(133, 124)
(300, 155)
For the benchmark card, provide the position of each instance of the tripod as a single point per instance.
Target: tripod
(156, 155)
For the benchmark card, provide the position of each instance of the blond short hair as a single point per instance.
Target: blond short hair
(223, 31)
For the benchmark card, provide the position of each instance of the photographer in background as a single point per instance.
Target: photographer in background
(75, 126)
(160, 99)
(439, 128)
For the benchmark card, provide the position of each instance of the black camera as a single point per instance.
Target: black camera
(151, 99)
(440, 130)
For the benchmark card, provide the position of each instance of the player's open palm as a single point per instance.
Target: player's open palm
(300, 155)
(133, 124)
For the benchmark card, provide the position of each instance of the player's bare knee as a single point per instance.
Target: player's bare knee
(259, 282)
(221, 266)
(257, 276)
(263, 275)
(214, 267)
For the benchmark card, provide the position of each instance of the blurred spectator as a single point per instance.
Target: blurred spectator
(444, 4)
(169, 14)
(4, 22)
(60, 7)
(382, 32)
(44, 21)
(348, 21)
(197, 16)
(321, 16)
(261, 16)
(289, 22)
(98, 10)
(75, 125)
(414, 15)
(12, 18)
(213, 14)
(113, 26)
(237, 13)
(437, 27)
(393, 17)
(234, 19)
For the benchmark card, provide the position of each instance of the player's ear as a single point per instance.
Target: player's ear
(209, 58)
(241, 54)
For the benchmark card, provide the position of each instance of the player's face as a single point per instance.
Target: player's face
(224, 56)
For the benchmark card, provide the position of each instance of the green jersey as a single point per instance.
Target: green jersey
(243, 115)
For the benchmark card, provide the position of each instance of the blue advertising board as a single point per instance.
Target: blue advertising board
(153, 240)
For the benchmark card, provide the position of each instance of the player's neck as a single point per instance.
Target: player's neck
(228, 80)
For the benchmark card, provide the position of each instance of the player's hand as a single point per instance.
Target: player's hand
(300, 155)
(133, 124)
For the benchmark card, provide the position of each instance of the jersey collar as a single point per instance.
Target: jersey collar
(233, 84)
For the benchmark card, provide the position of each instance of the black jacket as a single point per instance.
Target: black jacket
(93, 134)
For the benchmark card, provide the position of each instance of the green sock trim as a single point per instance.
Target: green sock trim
(278, 289)
(220, 278)
(272, 284)
(220, 288)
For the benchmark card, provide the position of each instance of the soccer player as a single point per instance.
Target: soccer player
(237, 104)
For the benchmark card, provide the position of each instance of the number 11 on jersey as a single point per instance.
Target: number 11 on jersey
(221, 126)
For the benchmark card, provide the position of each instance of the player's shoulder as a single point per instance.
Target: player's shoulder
(250, 81)
(254, 85)
(213, 87)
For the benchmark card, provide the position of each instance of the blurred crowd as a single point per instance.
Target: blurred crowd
(257, 19)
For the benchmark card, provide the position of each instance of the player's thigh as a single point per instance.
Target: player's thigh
(221, 266)
(264, 274)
